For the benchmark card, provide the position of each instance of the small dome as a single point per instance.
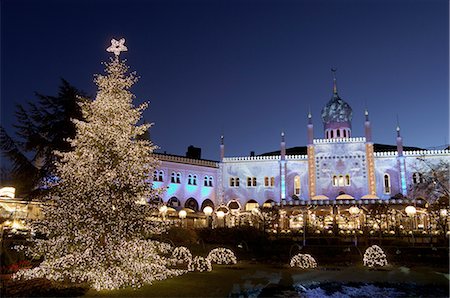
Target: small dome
(336, 110)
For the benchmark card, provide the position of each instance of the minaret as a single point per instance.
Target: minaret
(310, 129)
(222, 148)
(311, 159)
(401, 161)
(371, 185)
(283, 168)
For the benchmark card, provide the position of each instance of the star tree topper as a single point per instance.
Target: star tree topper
(117, 46)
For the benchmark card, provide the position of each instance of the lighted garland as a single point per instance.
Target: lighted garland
(222, 255)
(374, 256)
(181, 255)
(200, 264)
(304, 261)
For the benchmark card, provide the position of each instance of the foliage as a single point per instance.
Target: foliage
(200, 264)
(182, 236)
(41, 129)
(304, 261)
(432, 184)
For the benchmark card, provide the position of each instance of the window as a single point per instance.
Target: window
(338, 133)
(190, 179)
(345, 133)
(172, 178)
(332, 135)
(417, 178)
(297, 185)
(269, 182)
(341, 180)
(155, 176)
(387, 183)
(237, 182)
(205, 181)
(234, 181)
(178, 180)
(347, 180)
(335, 180)
(210, 181)
(160, 176)
(254, 181)
(231, 182)
(249, 181)
(194, 179)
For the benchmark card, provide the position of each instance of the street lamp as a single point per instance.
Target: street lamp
(182, 215)
(411, 212)
(354, 211)
(220, 215)
(208, 211)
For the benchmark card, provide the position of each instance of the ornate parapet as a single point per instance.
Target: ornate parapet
(249, 158)
(340, 140)
(185, 160)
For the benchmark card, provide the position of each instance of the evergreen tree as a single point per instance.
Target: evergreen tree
(98, 214)
(41, 129)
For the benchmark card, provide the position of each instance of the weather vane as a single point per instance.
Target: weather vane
(117, 46)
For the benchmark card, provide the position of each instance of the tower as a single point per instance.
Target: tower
(401, 162)
(371, 185)
(337, 115)
(311, 159)
(283, 168)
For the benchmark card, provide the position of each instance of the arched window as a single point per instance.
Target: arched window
(231, 182)
(327, 134)
(297, 185)
(345, 133)
(155, 176)
(178, 177)
(386, 183)
(194, 179)
(338, 133)
(249, 181)
(190, 179)
(210, 181)
(341, 180)
(335, 180)
(417, 178)
(332, 135)
(160, 176)
(347, 180)
(205, 181)
(237, 182)
(173, 178)
(173, 202)
(192, 204)
(272, 181)
(266, 181)
(254, 181)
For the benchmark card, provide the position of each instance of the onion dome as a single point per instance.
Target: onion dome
(337, 115)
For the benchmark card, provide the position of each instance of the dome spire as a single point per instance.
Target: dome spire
(333, 70)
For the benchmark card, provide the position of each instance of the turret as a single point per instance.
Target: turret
(399, 142)
(367, 128)
(222, 148)
(283, 147)
(310, 129)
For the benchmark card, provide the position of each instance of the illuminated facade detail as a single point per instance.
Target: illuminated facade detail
(297, 185)
(269, 181)
(311, 172)
(370, 169)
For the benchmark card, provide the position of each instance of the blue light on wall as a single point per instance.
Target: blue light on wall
(283, 179)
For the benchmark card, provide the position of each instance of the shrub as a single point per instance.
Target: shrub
(304, 261)
(374, 256)
(200, 264)
(222, 255)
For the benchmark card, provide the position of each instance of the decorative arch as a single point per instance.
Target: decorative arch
(207, 202)
(268, 203)
(234, 205)
(251, 204)
(191, 203)
(173, 202)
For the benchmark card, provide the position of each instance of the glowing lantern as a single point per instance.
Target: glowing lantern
(7, 192)
(354, 210)
(410, 210)
(182, 214)
(443, 212)
(207, 210)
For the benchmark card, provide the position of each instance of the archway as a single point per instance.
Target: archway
(250, 205)
(234, 205)
(191, 203)
(173, 202)
(207, 202)
(268, 204)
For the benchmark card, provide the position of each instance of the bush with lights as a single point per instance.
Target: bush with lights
(304, 261)
(374, 256)
(222, 255)
(200, 264)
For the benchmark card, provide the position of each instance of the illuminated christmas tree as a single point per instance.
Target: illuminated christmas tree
(98, 212)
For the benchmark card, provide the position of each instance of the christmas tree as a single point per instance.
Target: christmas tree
(98, 214)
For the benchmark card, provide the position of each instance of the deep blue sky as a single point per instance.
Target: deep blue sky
(248, 69)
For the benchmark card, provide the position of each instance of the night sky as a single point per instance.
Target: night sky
(245, 69)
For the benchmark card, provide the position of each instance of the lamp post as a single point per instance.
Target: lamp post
(220, 216)
(411, 212)
(443, 214)
(354, 211)
(208, 211)
(182, 215)
(163, 211)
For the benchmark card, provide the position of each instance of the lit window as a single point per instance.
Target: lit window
(347, 180)
(266, 181)
(297, 185)
(417, 178)
(335, 180)
(341, 180)
(387, 183)
(254, 181)
(272, 181)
